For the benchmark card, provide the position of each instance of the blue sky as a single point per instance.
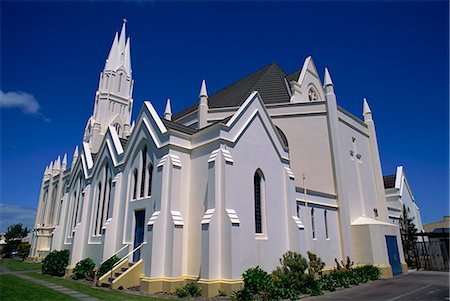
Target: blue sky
(393, 53)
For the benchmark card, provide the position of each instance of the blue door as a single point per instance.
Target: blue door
(394, 257)
(138, 232)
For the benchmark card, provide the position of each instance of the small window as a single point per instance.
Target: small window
(144, 164)
(120, 82)
(99, 198)
(258, 183)
(150, 176)
(375, 212)
(108, 210)
(135, 176)
(313, 225)
(325, 217)
(118, 128)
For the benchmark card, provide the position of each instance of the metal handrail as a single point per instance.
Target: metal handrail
(117, 252)
(122, 259)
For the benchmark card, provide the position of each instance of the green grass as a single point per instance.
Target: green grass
(13, 288)
(19, 265)
(84, 288)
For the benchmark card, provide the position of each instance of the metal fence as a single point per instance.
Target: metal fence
(431, 252)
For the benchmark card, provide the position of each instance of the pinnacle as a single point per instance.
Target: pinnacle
(203, 91)
(366, 108)
(327, 79)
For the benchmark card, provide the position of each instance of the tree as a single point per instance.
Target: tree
(13, 237)
(408, 230)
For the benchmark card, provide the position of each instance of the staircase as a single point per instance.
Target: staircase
(125, 275)
(117, 274)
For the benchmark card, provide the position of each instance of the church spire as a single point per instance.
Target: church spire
(168, 111)
(111, 60)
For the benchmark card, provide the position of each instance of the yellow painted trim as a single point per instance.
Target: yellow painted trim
(130, 277)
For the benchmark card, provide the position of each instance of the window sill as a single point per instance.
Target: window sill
(261, 237)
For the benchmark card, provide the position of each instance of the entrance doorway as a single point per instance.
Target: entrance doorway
(139, 217)
(394, 257)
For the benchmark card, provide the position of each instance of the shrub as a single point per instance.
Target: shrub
(315, 265)
(55, 263)
(290, 277)
(242, 295)
(24, 250)
(345, 278)
(344, 265)
(84, 268)
(191, 289)
(107, 266)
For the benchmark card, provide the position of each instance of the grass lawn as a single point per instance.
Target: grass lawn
(19, 265)
(13, 288)
(93, 292)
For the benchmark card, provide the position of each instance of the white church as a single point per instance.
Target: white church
(268, 164)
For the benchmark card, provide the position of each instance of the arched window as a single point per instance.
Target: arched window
(99, 197)
(312, 94)
(43, 207)
(326, 223)
(144, 164)
(313, 225)
(135, 176)
(118, 128)
(258, 183)
(108, 210)
(150, 177)
(53, 205)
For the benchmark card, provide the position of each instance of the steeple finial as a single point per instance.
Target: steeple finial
(202, 116)
(168, 111)
(367, 112)
(50, 168)
(64, 162)
(46, 170)
(203, 91)
(122, 37)
(57, 165)
(327, 80)
(75, 156)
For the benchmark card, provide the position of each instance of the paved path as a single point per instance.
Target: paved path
(418, 285)
(67, 291)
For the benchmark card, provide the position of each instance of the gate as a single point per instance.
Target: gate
(431, 252)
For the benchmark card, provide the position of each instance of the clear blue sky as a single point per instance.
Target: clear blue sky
(393, 53)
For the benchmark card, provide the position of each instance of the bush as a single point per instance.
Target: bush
(84, 268)
(107, 266)
(352, 276)
(191, 289)
(242, 295)
(290, 277)
(24, 250)
(55, 263)
(315, 265)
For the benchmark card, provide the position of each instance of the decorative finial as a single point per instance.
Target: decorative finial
(125, 20)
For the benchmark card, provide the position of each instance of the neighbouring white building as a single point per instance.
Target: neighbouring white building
(399, 194)
(268, 164)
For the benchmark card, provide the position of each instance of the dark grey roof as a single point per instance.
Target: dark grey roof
(178, 127)
(293, 76)
(389, 181)
(268, 81)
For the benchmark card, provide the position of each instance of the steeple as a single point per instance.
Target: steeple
(57, 165)
(203, 106)
(113, 103)
(168, 111)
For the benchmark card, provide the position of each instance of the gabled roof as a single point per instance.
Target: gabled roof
(178, 127)
(268, 81)
(389, 181)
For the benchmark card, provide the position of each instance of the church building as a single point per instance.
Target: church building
(268, 164)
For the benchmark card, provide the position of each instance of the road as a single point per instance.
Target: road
(418, 285)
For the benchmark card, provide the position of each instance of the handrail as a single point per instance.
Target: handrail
(117, 252)
(122, 259)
